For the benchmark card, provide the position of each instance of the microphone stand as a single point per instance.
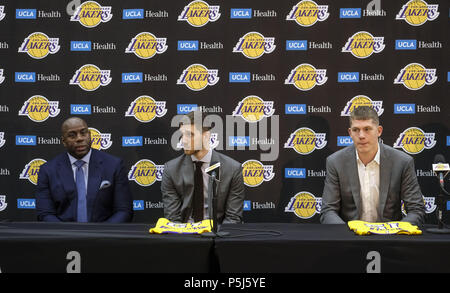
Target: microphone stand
(440, 206)
(212, 209)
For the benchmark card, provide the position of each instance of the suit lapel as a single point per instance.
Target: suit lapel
(94, 180)
(66, 176)
(385, 175)
(352, 169)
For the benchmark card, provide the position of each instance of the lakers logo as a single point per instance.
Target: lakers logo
(305, 77)
(255, 173)
(429, 203)
(253, 45)
(417, 12)
(100, 141)
(2, 139)
(414, 140)
(213, 141)
(3, 203)
(2, 12)
(254, 109)
(415, 76)
(39, 109)
(306, 13)
(363, 45)
(197, 77)
(145, 109)
(145, 172)
(31, 170)
(304, 205)
(362, 100)
(90, 14)
(39, 45)
(145, 45)
(304, 141)
(89, 77)
(199, 13)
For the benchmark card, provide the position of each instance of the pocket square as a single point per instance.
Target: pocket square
(105, 184)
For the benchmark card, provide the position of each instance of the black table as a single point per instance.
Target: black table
(125, 248)
(329, 248)
(253, 248)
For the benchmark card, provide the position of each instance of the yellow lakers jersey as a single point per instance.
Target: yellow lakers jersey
(165, 226)
(366, 228)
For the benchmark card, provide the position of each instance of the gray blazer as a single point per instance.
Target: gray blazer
(177, 189)
(341, 201)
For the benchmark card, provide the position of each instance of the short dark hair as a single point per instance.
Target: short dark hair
(364, 113)
(192, 118)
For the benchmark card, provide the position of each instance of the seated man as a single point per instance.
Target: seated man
(184, 184)
(368, 180)
(82, 184)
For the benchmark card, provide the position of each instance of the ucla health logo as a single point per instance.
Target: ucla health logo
(145, 45)
(255, 173)
(417, 12)
(31, 170)
(254, 109)
(100, 141)
(197, 77)
(363, 45)
(145, 109)
(306, 13)
(199, 13)
(414, 140)
(415, 76)
(305, 76)
(362, 100)
(38, 45)
(304, 141)
(253, 45)
(145, 172)
(304, 205)
(90, 14)
(2, 77)
(39, 109)
(89, 77)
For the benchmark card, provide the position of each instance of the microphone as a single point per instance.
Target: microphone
(214, 173)
(213, 170)
(440, 167)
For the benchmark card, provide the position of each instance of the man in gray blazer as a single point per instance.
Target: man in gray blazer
(368, 180)
(180, 193)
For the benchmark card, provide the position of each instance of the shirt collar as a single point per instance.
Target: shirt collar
(205, 159)
(86, 158)
(376, 159)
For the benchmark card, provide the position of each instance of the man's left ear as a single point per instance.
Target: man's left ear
(380, 130)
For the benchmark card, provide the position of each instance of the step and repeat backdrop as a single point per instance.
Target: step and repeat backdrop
(282, 76)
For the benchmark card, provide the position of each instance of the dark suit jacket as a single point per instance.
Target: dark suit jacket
(341, 201)
(56, 193)
(177, 189)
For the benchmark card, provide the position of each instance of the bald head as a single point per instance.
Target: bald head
(76, 137)
(71, 122)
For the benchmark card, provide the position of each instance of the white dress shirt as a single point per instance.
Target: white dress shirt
(369, 181)
(206, 162)
(85, 167)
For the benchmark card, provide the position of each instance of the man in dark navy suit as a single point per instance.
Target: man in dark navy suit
(83, 184)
